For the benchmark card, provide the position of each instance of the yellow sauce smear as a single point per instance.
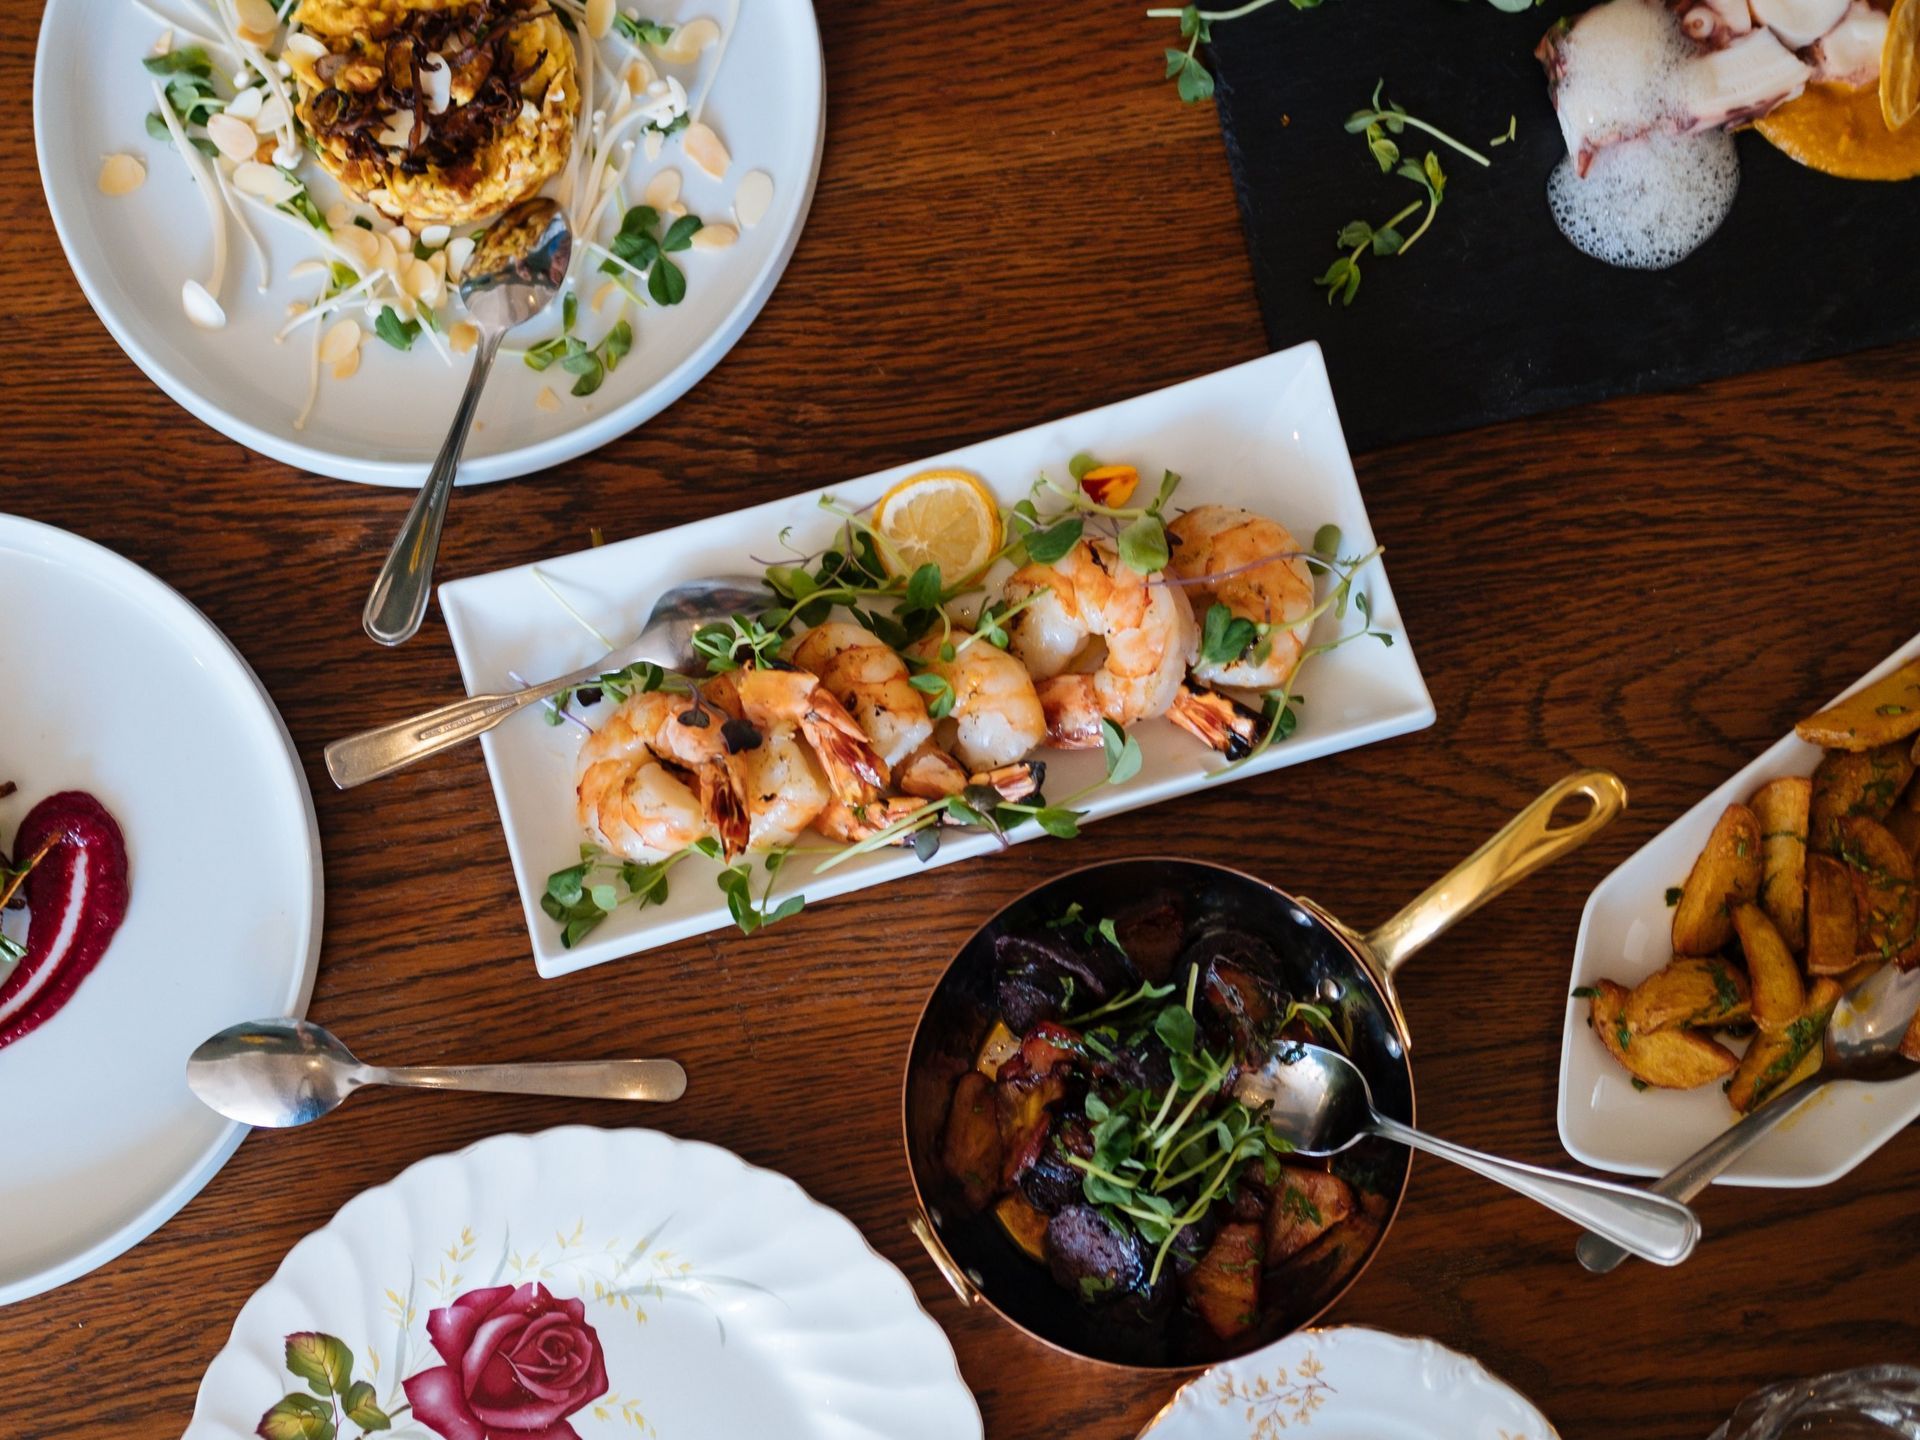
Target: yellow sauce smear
(1837, 129)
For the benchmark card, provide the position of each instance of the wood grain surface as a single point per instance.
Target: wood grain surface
(1017, 220)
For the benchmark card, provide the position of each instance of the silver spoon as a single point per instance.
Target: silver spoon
(278, 1073)
(1319, 1102)
(1862, 1043)
(512, 275)
(665, 640)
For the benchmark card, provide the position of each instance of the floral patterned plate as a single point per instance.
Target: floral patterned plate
(584, 1284)
(1349, 1383)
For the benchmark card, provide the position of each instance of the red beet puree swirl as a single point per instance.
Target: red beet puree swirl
(76, 898)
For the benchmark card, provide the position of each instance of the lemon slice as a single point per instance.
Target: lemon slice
(940, 517)
(1900, 65)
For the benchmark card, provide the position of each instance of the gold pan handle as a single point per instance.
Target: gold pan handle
(1521, 846)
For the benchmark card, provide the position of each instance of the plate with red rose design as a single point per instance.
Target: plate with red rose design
(584, 1284)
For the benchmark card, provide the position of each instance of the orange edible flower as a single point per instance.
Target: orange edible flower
(1110, 484)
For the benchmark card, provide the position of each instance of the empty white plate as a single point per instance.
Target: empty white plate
(116, 685)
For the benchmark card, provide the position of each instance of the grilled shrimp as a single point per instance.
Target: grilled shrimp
(1147, 628)
(1251, 565)
(652, 781)
(792, 750)
(997, 718)
(862, 672)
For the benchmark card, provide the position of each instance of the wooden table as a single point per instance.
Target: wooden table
(1016, 221)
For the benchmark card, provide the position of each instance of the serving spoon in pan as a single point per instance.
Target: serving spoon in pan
(1318, 1101)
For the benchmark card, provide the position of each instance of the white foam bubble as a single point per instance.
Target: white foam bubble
(1648, 203)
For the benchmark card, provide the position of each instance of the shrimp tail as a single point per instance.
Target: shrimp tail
(1071, 705)
(1013, 782)
(718, 787)
(931, 773)
(854, 768)
(1217, 719)
(851, 824)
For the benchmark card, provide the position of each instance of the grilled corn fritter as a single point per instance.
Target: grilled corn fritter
(438, 111)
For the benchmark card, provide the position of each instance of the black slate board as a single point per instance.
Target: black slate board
(1493, 314)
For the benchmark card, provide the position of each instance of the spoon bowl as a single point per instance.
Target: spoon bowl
(279, 1073)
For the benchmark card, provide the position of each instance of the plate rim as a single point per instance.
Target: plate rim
(594, 433)
(213, 1158)
(1372, 1332)
(1737, 784)
(605, 1135)
(1418, 713)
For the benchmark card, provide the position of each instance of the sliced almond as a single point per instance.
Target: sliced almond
(343, 337)
(121, 175)
(258, 23)
(202, 309)
(383, 201)
(235, 138)
(546, 399)
(344, 368)
(676, 210)
(297, 60)
(662, 190)
(714, 237)
(303, 268)
(339, 215)
(422, 282)
(386, 256)
(435, 237)
(683, 47)
(703, 147)
(653, 144)
(599, 18)
(436, 84)
(265, 181)
(463, 337)
(359, 246)
(459, 252)
(402, 238)
(397, 130)
(273, 115)
(246, 105)
(164, 45)
(640, 74)
(753, 198)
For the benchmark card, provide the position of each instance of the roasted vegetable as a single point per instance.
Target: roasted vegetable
(1695, 991)
(1773, 1058)
(1024, 1225)
(1024, 1101)
(1091, 1256)
(1833, 919)
(1225, 1286)
(1669, 1059)
(1151, 934)
(1305, 1205)
(1883, 890)
(1783, 808)
(1242, 1005)
(1726, 874)
(1778, 996)
(1038, 974)
(970, 1148)
(1904, 825)
(1866, 782)
(1886, 710)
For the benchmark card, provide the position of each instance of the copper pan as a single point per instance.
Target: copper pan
(1320, 956)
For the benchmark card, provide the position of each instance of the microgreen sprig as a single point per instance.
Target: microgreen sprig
(579, 897)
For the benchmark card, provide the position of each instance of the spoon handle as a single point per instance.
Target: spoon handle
(583, 1079)
(398, 601)
(1650, 1226)
(1698, 1170)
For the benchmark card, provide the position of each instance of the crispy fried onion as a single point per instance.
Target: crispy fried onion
(475, 43)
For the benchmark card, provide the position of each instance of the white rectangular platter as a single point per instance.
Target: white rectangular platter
(1625, 936)
(1263, 435)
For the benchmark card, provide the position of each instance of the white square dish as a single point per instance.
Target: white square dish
(1624, 936)
(1264, 435)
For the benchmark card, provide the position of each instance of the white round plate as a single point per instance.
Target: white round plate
(1350, 1383)
(584, 1284)
(116, 685)
(132, 253)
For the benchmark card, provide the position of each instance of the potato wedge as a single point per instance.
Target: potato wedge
(1774, 978)
(1883, 890)
(1668, 1059)
(1772, 1058)
(1866, 782)
(1025, 1226)
(1886, 710)
(1833, 917)
(1695, 990)
(1306, 1204)
(1726, 874)
(1225, 1285)
(970, 1148)
(1783, 808)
